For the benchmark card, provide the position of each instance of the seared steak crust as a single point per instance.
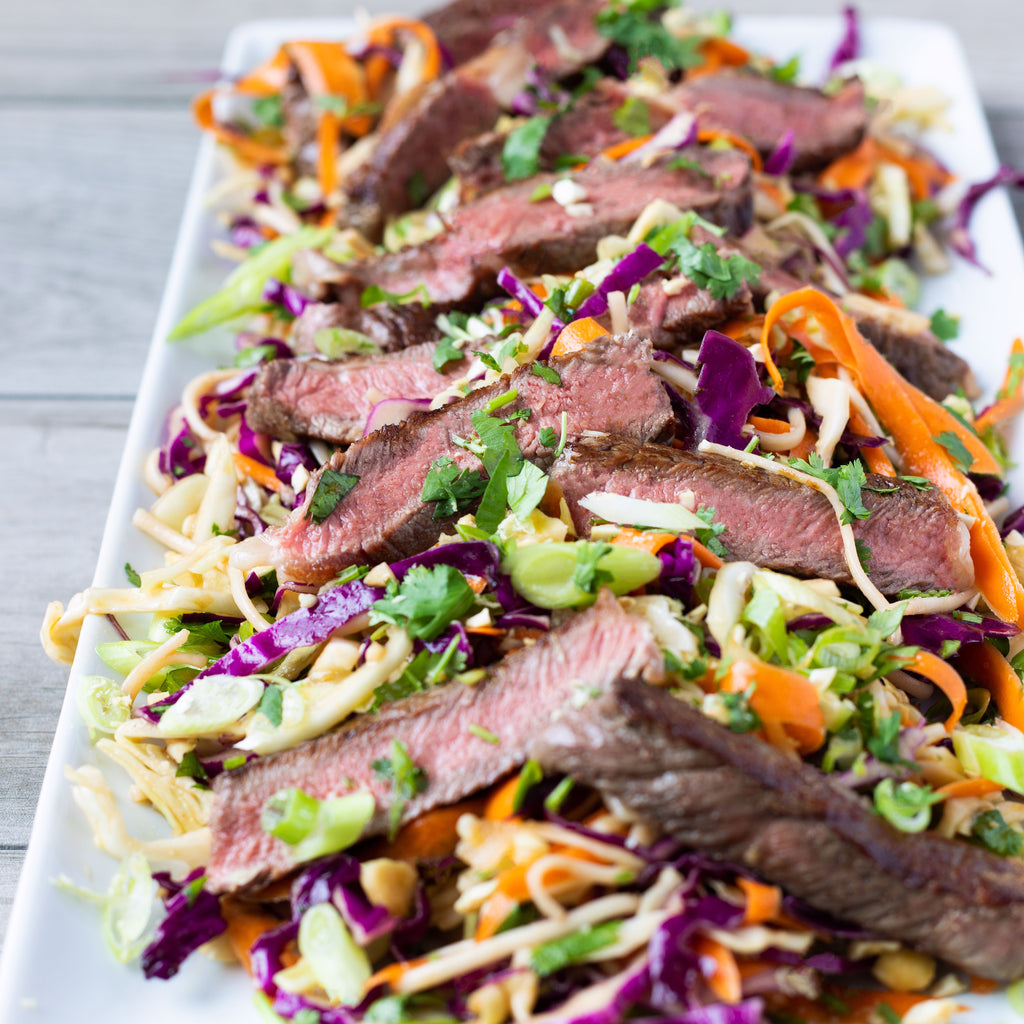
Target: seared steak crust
(916, 539)
(741, 800)
(530, 685)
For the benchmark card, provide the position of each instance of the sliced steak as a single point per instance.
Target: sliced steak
(507, 227)
(300, 398)
(917, 541)
(409, 159)
(738, 799)
(762, 111)
(583, 130)
(465, 28)
(530, 685)
(391, 328)
(383, 518)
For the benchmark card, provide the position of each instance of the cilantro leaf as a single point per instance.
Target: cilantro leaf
(546, 373)
(406, 778)
(455, 490)
(425, 670)
(494, 501)
(992, 832)
(520, 155)
(586, 575)
(636, 27)
(708, 536)
(848, 482)
(133, 577)
(957, 450)
(271, 704)
(742, 717)
(944, 326)
(721, 276)
(786, 72)
(548, 437)
(269, 110)
(526, 490)
(446, 352)
(331, 489)
(191, 768)
(425, 602)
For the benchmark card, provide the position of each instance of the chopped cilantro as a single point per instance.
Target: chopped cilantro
(586, 575)
(484, 734)
(331, 489)
(209, 638)
(552, 956)
(542, 191)
(922, 483)
(786, 72)
(633, 117)
(406, 778)
(455, 490)
(944, 326)
(863, 552)
(708, 536)
(721, 276)
(742, 717)
(191, 768)
(425, 602)
(271, 704)
(1014, 376)
(269, 110)
(847, 480)
(427, 669)
(637, 28)
(520, 155)
(992, 832)
(133, 577)
(957, 450)
(888, 1014)
(883, 739)
(546, 373)
(548, 437)
(447, 351)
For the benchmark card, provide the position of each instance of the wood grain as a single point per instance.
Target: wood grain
(97, 151)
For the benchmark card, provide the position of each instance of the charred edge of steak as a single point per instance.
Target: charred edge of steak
(916, 539)
(533, 683)
(740, 800)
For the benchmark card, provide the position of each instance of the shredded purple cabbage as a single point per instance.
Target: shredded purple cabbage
(854, 214)
(266, 954)
(780, 160)
(181, 455)
(245, 233)
(630, 270)
(1014, 521)
(934, 631)
(679, 570)
(284, 295)
(849, 44)
(530, 302)
(336, 880)
(393, 410)
(192, 918)
(728, 387)
(471, 558)
(678, 133)
(959, 237)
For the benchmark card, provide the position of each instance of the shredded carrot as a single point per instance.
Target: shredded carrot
(328, 141)
(770, 426)
(1010, 400)
(763, 901)
(245, 924)
(263, 475)
(493, 913)
(734, 140)
(486, 630)
(781, 697)
(244, 146)
(392, 973)
(968, 787)
(744, 328)
(575, 336)
(724, 976)
(645, 540)
(851, 170)
(269, 78)
(706, 558)
(329, 73)
(804, 448)
(983, 986)
(946, 678)
(924, 174)
(718, 53)
(430, 836)
(987, 667)
(624, 148)
(876, 459)
(384, 33)
(501, 800)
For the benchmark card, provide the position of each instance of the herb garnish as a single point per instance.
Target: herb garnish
(847, 481)
(992, 832)
(406, 778)
(425, 602)
(455, 490)
(520, 156)
(331, 489)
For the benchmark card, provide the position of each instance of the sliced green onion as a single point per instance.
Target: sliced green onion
(1015, 997)
(484, 734)
(554, 800)
(530, 775)
(102, 704)
(545, 573)
(995, 753)
(577, 291)
(128, 908)
(661, 515)
(340, 966)
(314, 827)
(211, 705)
(905, 805)
(242, 293)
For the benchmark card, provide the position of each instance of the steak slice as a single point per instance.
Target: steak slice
(465, 28)
(740, 800)
(391, 328)
(510, 227)
(422, 128)
(298, 398)
(763, 110)
(530, 685)
(584, 129)
(917, 541)
(383, 517)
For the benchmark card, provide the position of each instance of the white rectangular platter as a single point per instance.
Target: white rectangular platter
(56, 966)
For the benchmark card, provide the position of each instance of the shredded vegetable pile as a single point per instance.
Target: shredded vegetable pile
(533, 897)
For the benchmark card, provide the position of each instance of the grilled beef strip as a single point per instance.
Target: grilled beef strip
(390, 328)
(383, 517)
(917, 541)
(763, 110)
(507, 227)
(741, 800)
(420, 130)
(529, 685)
(298, 398)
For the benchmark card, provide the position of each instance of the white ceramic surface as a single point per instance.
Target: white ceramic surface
(56, 967)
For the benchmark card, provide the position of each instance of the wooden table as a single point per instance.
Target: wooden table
(97, 147)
